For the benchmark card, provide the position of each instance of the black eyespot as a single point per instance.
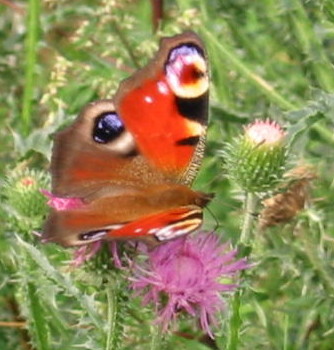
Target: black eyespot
(108, 126)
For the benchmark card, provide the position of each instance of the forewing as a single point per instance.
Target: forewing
(165, 107)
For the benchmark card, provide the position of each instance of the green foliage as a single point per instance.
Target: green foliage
(269, 59)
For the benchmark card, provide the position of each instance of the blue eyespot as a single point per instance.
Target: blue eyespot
(108, 126)
(186, 49)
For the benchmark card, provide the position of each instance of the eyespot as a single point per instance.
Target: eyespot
(107, 127)
(186, 71)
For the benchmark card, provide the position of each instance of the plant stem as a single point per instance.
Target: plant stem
(286, 332)
(156, 338)
(313, 253)
(235, 321)
(36, 315)
(37, 322)
(112, 317)
(250, 207)
(128, 47)
(325, 133)
(245, 71)
(30, 63)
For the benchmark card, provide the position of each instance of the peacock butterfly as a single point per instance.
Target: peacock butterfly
(130, 160)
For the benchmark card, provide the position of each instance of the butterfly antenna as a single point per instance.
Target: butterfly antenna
(217, 224)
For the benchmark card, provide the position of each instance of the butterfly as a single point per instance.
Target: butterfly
(131, 159)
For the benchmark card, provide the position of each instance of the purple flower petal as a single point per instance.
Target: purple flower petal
(188, 272)
(85, 253)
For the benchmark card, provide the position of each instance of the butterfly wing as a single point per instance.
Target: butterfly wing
(123, 153)
(153, 133)
(165, 107)
(97, 155)
(159, 211)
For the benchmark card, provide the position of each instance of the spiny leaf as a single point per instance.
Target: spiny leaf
(64, 281)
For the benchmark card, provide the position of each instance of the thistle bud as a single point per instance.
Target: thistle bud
(256, 160)
(22, 191)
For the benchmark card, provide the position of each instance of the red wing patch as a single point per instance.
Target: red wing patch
(163, 226)
(165, 105)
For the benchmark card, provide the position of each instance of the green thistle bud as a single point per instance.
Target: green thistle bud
(256, 160)
(22, 192)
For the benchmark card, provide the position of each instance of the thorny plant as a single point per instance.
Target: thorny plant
(268, 61)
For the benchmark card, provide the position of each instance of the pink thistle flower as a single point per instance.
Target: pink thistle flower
(28, 181)
(84, 253)
(189, 271)
(88, 251)
(266, 132)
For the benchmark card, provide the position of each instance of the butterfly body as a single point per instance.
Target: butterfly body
(131, 159)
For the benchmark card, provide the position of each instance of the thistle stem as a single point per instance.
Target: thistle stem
(30, 63)
(250, 207)
(156, 338)
(235, 321)
(113, 331)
